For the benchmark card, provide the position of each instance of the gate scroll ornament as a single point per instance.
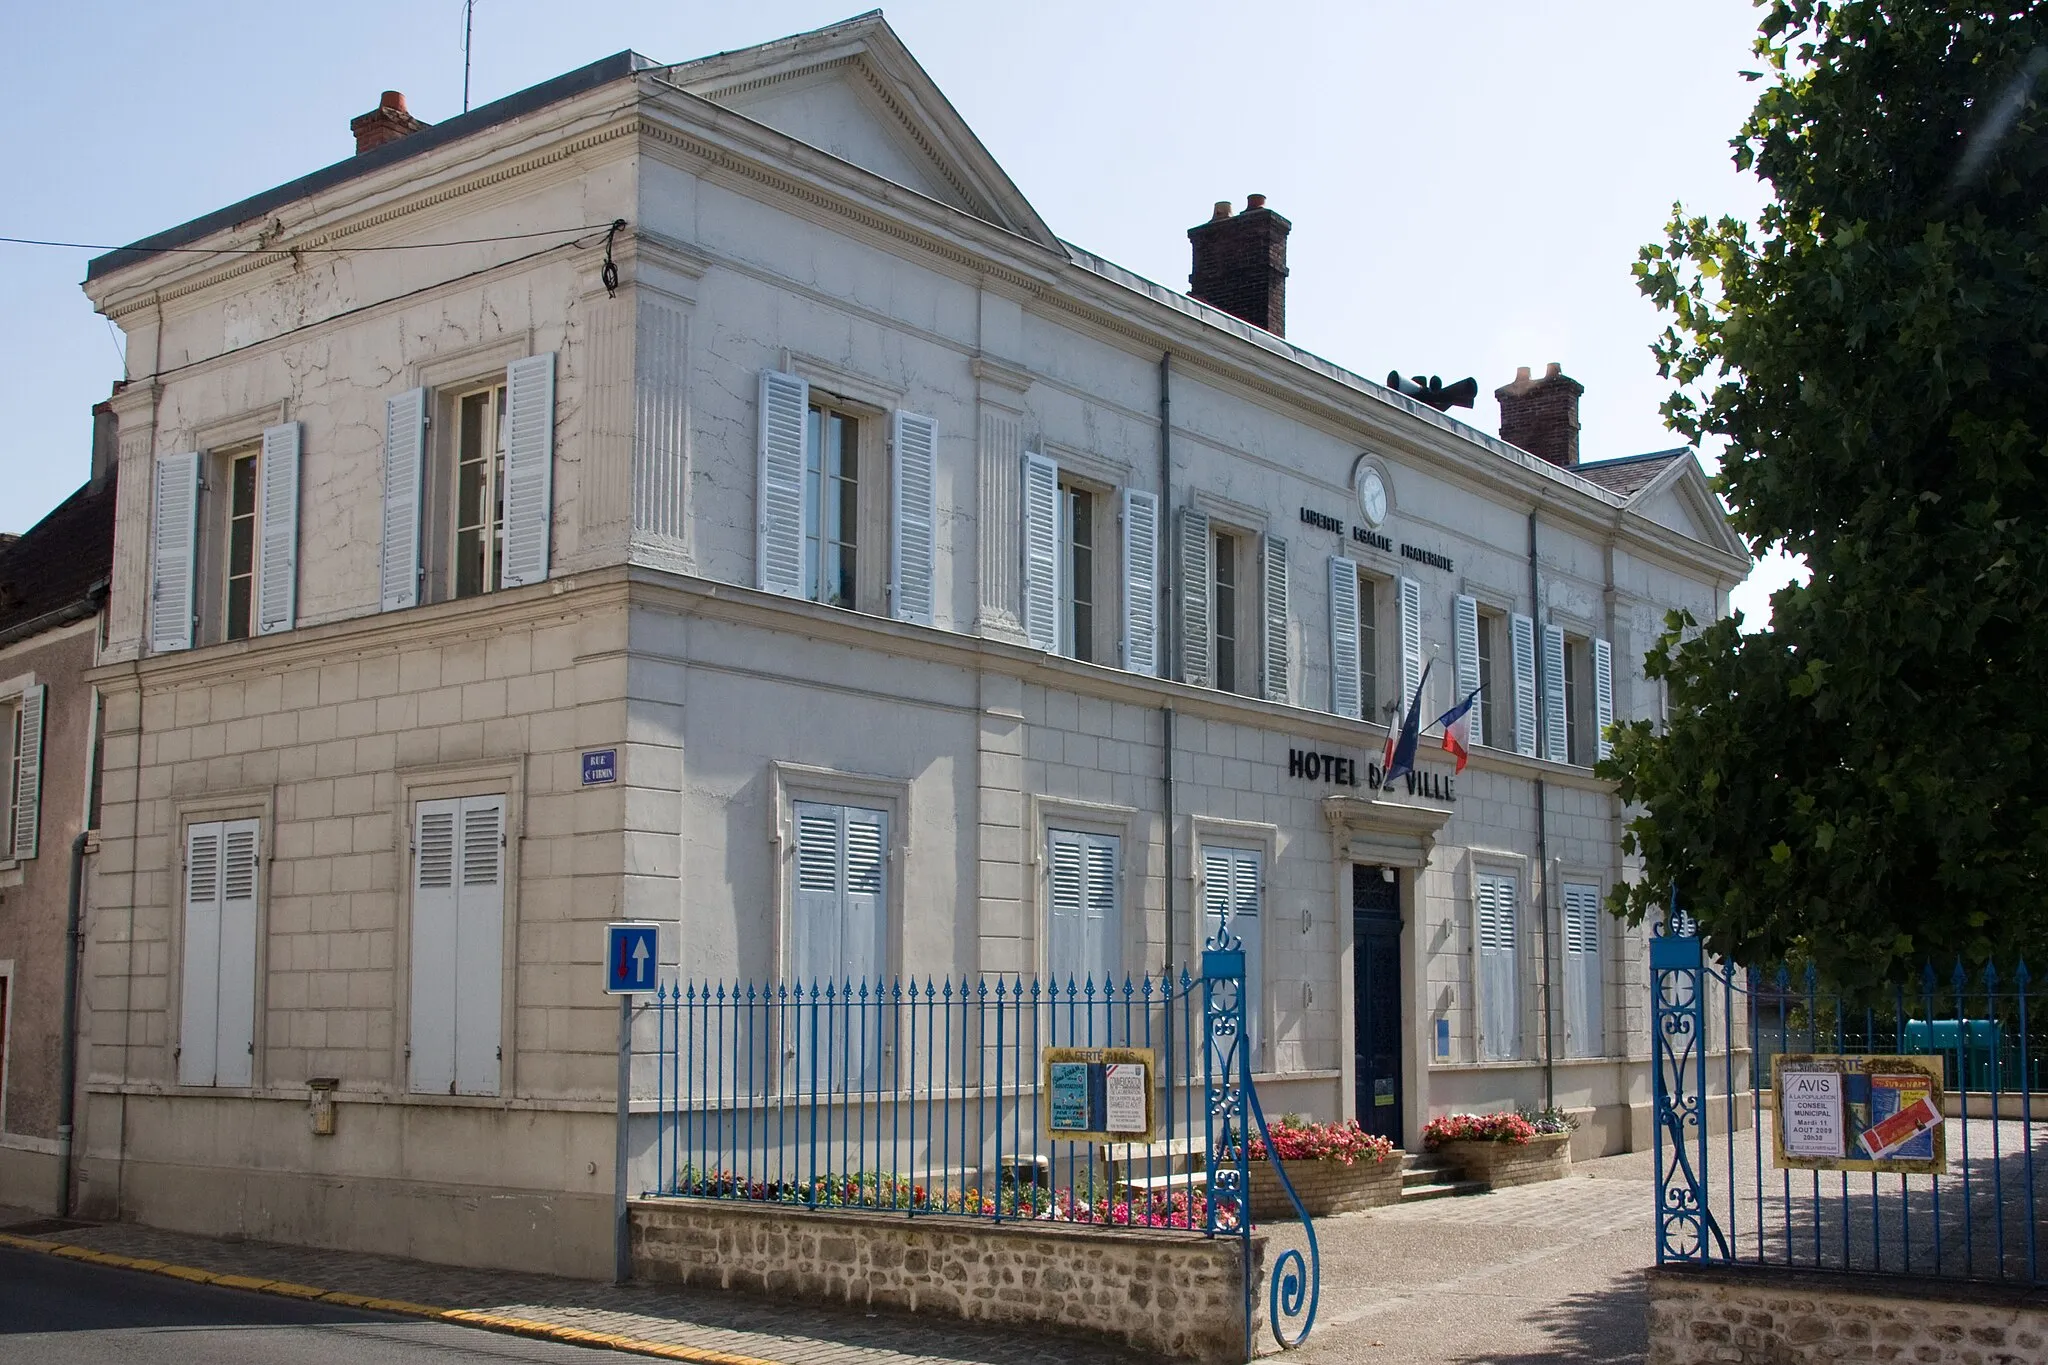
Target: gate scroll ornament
(1686, 1227)
(1232, 1105)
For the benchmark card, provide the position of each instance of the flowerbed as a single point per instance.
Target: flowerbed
(1448, 1128)
(1346, 1142)
(1333, 1167)
(1504, 1149)
(888, 1192)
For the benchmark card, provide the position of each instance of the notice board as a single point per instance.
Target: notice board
(1858, 1112)
(1098, 1094)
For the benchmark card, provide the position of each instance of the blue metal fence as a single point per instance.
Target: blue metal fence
(1722, 1197)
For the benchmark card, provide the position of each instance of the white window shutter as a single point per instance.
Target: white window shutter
(779, 515)
(479, 945)
(1344, 682)
(1603, 695)
(1102, 917)
(1411, 643)
(1585, 1016)
(1554, 736)
(1273, 618)
(1141, 582)
(1500, 1025)
(814, 921)
(174, 534)
(199, 1019)
(1522, 642)
(914, 509)
(529, 468)
(1041, 537)
(28, 774)
(405, 443)
(1197, 655)
(863, 945)
(1066, 957)
(435, 901)
(235, 1016)
(277, 563)
(1231, 895)
(1465, 629)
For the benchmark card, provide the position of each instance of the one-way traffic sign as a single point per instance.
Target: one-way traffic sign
(631, 957)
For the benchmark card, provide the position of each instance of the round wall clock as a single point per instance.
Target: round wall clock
(1372, 496)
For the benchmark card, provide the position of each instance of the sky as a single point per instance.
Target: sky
(1469, 180)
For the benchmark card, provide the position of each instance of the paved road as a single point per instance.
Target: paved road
(61, 1312)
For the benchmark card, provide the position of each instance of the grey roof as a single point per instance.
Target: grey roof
(1631, 474)
(563, 87)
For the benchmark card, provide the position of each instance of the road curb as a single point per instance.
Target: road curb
(462, 1317)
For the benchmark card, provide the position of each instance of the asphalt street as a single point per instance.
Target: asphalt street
(55, 1311)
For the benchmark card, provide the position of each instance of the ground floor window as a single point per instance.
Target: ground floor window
(217, 1018)
(1584, 998)
(458, 952)
(1084, 905)
(1496, 900)
(1232, 890)
(838, 922)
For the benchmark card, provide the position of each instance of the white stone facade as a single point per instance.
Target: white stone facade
(812, 209)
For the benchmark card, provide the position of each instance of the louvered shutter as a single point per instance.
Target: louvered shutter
(863, 956)
(1197, 654)
(1041, 538)
(1231, 895)
(1522, 644)
(779, 516)
(1603, 696)
(174, 532)
(235, 1027)
(1066, 955)
(1141, 582)
(28, 772)
(1103, 926)
(277, 565)
(915, 512)
(1344, 685)
(199, 1017)
(1554, 734)
(1500, 1027)
(479, 945)
(1410, 595)
(435, 905)
(815, 919)
(1586, 1005)
(1273, 618)
(529, 468)
(405, 443)
(1465, 628)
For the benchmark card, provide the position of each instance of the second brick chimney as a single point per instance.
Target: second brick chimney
(1542, 415)
(387, 123)
(1241, 263)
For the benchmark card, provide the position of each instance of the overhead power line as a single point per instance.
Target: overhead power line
(301, 250)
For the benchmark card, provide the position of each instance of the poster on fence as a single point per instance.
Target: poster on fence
(1098, 1094)
(1858, 1112)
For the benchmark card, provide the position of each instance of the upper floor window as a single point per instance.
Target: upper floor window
(1574, 700)
(21, 781)
(1578, 702)
(1078, 590)
(1234, 587)
(477, 511)
(1492, 631)
(241, 541)
(1077, 569)
(832, 506)
(224, 542)
(1224, 601)
(1369, 688)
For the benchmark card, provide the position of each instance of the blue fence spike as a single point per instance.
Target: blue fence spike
(1959, 976)
(1927, 976)
(2019, 975)
(1990, 976)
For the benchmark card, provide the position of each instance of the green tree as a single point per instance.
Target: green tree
(1861, 783)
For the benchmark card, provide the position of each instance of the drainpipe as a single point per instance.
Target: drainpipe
(1542, 829)
(1167, 619)
(67, 1068)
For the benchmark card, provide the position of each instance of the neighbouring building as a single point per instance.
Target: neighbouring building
(896, 550)
(53, 591)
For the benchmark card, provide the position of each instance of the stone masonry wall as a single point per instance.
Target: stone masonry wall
(1734, 1317)
(1174, 1294)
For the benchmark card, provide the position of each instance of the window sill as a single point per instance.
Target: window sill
(300, 1094)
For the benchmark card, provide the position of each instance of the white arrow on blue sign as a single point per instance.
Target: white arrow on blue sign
(631, 957)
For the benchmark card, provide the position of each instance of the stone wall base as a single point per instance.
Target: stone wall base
(1174, 1294)
(1325, 1187)
(28, 1180)
(1729, 1316)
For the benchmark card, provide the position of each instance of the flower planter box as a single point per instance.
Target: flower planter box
(1547, 1156)
(1325, 1187)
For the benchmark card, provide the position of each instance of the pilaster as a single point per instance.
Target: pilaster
(999, 412)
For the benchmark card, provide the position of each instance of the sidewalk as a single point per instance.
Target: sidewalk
(711, 1326)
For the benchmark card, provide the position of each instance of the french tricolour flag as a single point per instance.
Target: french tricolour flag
(1457, 723)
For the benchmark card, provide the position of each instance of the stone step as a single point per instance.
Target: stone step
(1427, 1175)
(1427, 1161)
(1446, 1189)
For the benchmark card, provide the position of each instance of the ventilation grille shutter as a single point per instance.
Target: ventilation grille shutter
(1273, 619)
(405, 440)
(277, 567)
(1411, 642)
(1603, 696)
(529, 468)
(1345, 699)
(915, 443)
(1141, 582)
(779, 548)
(28, 773)
(1465, 627)
(1197, 657)
(1041, 512)
(1522, 643)
(174, 528)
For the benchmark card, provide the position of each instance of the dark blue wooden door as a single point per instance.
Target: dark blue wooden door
(1376, 997)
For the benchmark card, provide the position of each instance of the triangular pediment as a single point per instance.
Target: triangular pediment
(1681, 500)
(853, 91)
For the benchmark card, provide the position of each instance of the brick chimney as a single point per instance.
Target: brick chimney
(1542, 415)
(1241, 263)
(388, 122)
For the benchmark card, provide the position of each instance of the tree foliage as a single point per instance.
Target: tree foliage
(1861, 783)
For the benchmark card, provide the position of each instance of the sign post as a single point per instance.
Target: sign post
(631, 960)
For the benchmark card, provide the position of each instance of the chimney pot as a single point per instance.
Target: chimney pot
(387, 123)
(1542, 415)
(1240, 264)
